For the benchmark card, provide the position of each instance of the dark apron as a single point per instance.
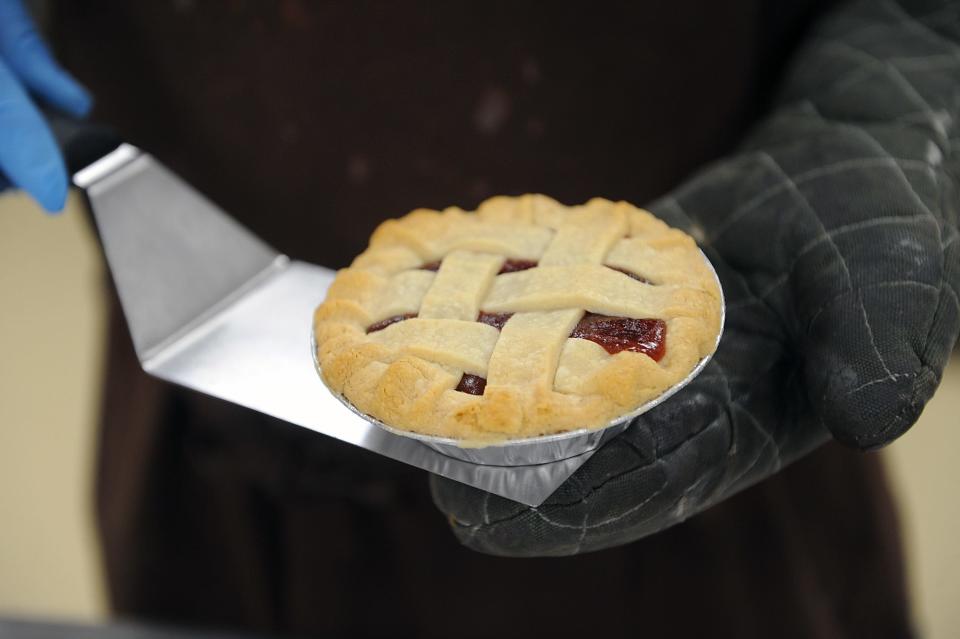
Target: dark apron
(311, 123)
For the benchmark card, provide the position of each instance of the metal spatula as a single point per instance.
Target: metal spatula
(211, 307)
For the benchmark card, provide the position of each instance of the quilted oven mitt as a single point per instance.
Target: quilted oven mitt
(834, 232)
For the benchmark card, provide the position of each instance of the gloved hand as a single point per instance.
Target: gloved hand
(834, 232)
(29, 157)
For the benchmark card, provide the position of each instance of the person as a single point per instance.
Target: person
(821, 141)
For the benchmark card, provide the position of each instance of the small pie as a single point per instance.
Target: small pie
(521, 319)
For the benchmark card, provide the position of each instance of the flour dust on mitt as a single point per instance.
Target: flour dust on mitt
(521, 319)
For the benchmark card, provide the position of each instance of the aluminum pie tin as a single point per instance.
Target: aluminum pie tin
(531, 451)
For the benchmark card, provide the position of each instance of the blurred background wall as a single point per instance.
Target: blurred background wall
(52, 324)
(52, 328)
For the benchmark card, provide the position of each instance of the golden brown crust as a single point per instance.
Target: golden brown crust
(539, 380)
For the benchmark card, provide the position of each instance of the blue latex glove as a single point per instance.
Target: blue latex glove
(29, 157)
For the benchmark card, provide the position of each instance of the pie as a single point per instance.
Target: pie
(521, 319)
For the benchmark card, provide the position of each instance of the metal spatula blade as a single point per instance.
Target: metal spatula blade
(211, 307)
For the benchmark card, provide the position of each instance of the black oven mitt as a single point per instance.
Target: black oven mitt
(834, 232)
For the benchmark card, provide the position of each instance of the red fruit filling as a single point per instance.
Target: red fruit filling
(617, 334)
(472, 384)
(496, 320)
(382, 324)
(512, 266)
(509, 266)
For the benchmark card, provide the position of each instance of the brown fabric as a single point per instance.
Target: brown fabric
(312, 122)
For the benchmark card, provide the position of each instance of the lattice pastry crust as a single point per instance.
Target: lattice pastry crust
(398, 333)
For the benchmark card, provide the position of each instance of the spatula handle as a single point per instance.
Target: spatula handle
(82, 143)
